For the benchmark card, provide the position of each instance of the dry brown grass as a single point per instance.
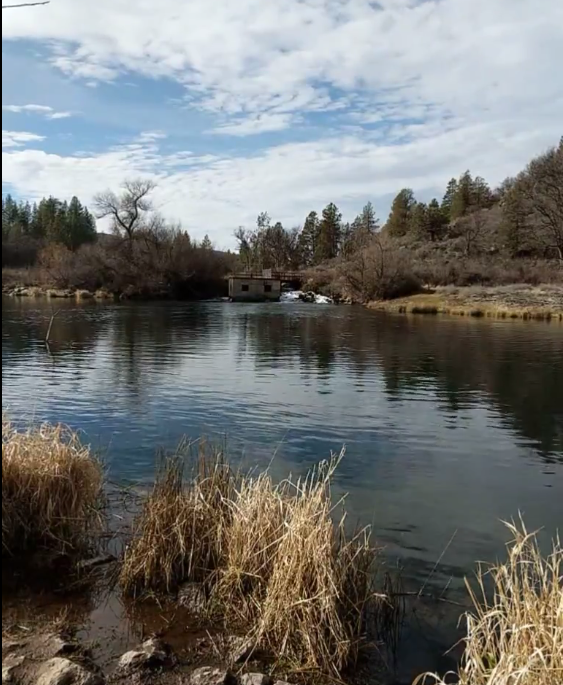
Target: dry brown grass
(178, 535)
(518, 302)
(51, 495)
(273, 561)
(515, 638)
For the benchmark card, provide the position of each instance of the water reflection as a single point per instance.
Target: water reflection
(515, 369)
(450, 425)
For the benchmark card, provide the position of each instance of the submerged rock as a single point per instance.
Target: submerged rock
(152, 654)
(255, 679)
(10, 666)
(64, 672)
(210, 676)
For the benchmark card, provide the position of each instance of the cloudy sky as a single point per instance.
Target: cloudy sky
(243, 106)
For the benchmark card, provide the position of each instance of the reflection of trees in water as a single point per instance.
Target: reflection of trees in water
(517, 367)
(137, 342)
(144, 342)
(278, 340)
(75, 331)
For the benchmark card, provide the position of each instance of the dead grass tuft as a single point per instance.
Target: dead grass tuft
(178, 535)
(51, 495)
(515, 638)
(273, 561)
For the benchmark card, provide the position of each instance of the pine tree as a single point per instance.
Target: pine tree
(463, 199)
(481, 194)
(206, 243)
(419, 220)
(437, 221)
(78, 226)
(369, 220)
(515, 221)
(330, 234)
(448, 201)
(399, 220)
(309, 239)
(10, 214)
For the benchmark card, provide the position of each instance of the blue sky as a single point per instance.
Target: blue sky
(275, 105)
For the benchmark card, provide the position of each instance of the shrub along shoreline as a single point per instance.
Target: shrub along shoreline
(272, 559)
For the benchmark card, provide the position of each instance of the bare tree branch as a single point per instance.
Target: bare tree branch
(26, 4)
(128, 209)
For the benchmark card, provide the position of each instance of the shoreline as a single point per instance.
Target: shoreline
(214, 568)
(523, 302)
(517, 302)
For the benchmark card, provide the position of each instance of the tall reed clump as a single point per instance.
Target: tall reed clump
(51, 495)
(314, 602)
(515, 637)
(274, 562)
(178, 535)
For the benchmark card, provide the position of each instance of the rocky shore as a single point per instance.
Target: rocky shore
(55, 293)
(50, 658)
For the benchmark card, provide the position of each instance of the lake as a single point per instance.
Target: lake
(450, 425)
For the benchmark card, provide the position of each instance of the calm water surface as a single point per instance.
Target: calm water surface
(449, 425)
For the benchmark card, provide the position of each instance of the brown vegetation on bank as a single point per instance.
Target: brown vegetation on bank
(270, 557)
(540, 303)
(51, 496)
(515, 635)
(474, 235)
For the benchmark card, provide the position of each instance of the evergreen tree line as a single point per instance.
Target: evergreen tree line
(531, 210)
(321, 239)
(529, 221)
(49, 221)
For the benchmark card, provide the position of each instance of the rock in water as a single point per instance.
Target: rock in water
(209, 676)
(10, 664)
(65, 672)
(255, 679)
(152, 654)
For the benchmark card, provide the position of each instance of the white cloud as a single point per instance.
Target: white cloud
(60, 115)
(216, 193)
(261, 123)
(49, 112)
(19, 138)
(400, 92)
(468, 58)
(18, 109)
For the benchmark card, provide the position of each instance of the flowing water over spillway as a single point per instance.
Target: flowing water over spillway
(449, 425)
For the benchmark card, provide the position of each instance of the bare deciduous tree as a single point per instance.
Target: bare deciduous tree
(471, 229)
(128, 210)
(542, 188)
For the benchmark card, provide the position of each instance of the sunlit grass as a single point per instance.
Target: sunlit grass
(515, 637)
(51, 494)
(271, 558)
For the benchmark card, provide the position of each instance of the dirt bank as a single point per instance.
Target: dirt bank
(541, 303)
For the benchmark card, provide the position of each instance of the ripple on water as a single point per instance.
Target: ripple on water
(450, 425)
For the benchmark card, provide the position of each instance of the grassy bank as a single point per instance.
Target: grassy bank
(51, 496)
(540, 303)
(270, 561)
(515, 636)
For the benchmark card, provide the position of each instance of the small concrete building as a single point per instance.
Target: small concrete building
(254, 288)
